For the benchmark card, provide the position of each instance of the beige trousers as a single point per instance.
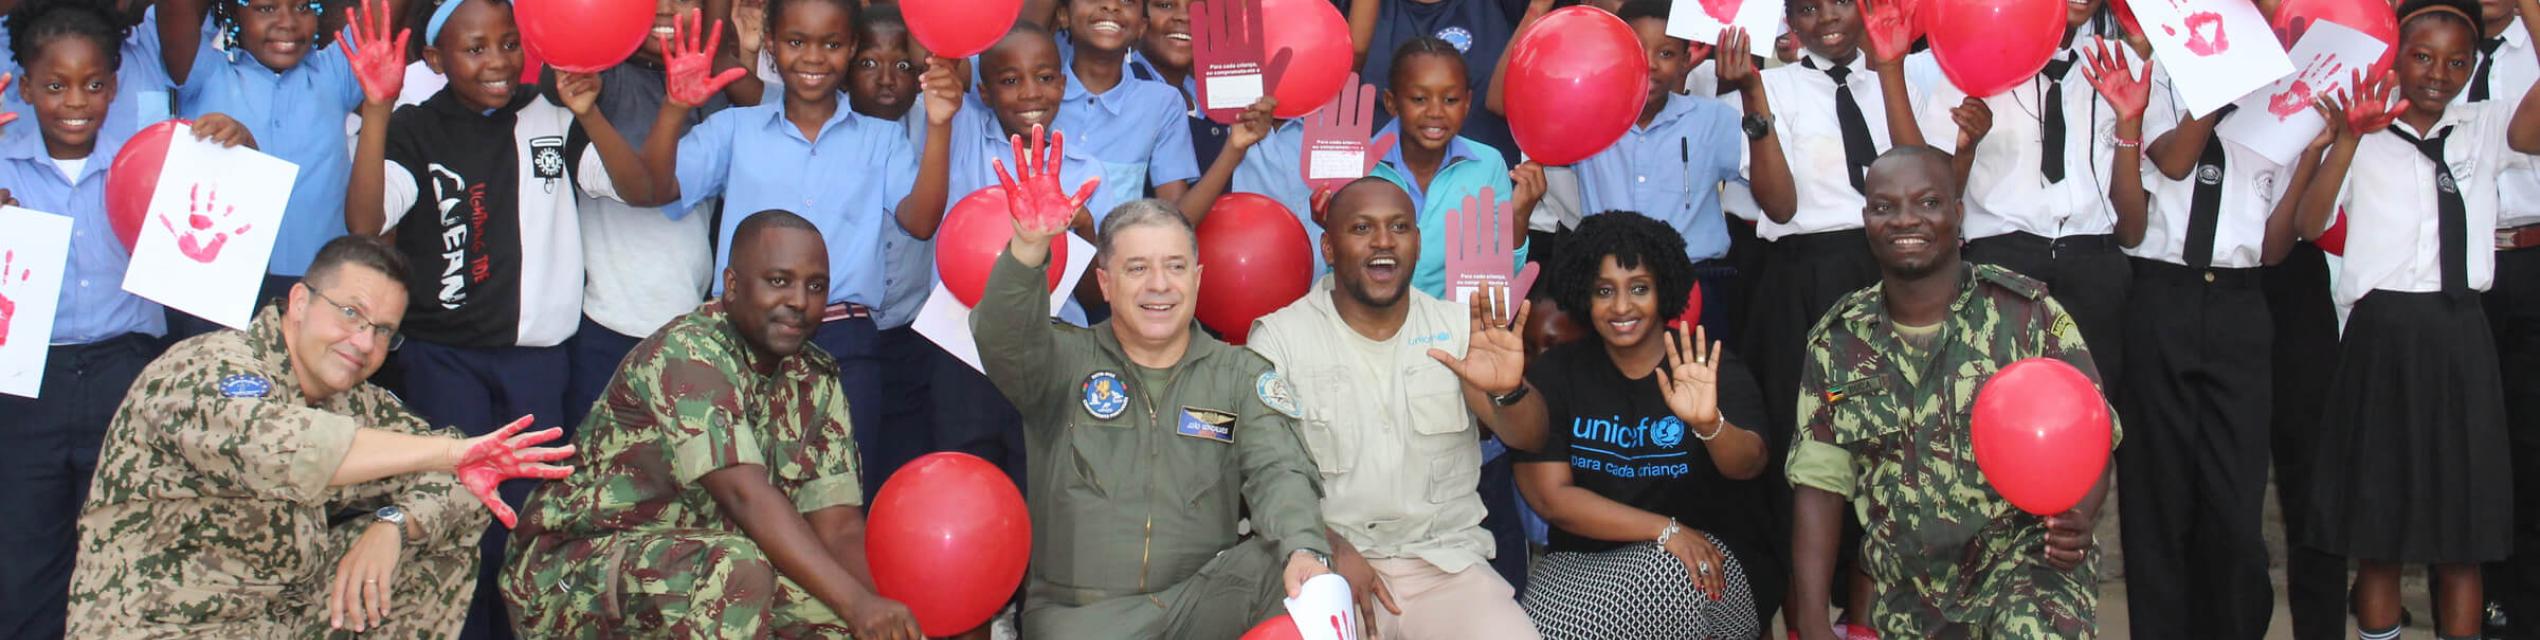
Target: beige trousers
(1474, 603)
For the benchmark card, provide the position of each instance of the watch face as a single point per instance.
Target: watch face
(392, 514)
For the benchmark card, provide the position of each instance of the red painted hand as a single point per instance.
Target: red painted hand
(689, 66)
(1037, 201)
(2129, 93)
(2367, 104)
(378, 62)
(505, 454)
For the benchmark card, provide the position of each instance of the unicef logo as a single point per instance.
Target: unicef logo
(1462, 39)
(1668, 432)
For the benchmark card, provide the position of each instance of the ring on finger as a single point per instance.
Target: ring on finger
(1703, 568)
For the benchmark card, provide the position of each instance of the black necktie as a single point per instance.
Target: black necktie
(1858, 149)
(2052, 163)
(2486, 61)
(2204, 210)
(2453, 224)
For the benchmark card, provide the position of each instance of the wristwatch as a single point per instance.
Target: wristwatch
(1319, 556)
(1512, 398)
(1757, 126)
(394, 517)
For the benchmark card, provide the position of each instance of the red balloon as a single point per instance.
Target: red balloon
(1318, 43)
(2041, 434)
(959, 28)
(1693, 309)
(530, 65)
(2333, 240)
(1256, 259)
(1279, 628)
(1576, 83)
(2373, 17)
(949, 537)
(134, 176)
(1988, 46)
(582, 36)
(974, 233)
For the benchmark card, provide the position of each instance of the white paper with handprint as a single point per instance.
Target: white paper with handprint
(1702, 20)
(1322, 609)
(2278, 121)
(35, 249)
(210, 229)
(947, 323)
(2215, 50)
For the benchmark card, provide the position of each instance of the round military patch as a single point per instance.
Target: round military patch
(1274, 392)
(1105, 395)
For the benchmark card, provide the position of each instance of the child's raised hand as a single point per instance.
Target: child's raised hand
(1735, 68)
(223, 130)
(1040, 206)
(688, 66)
(2367, 104)
(941, 85)
(580, 91)
(1888, 26)
(378, 62)
(2114, 77)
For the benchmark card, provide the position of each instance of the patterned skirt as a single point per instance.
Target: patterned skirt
(1640, 592)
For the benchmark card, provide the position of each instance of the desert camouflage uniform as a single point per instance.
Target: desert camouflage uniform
(1139, 476)
(631, 545)
(210, 513)
(1886, 424)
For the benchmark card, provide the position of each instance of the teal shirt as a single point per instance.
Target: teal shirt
(1470, 168)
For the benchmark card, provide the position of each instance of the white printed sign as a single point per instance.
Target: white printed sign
(1702, 20)
(2216, 50)
(2279, 121)
(210, 229)
(35, 250)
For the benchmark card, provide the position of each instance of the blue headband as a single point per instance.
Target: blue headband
(440, 16)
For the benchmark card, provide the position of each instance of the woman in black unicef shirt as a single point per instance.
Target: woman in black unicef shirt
(1657, 498)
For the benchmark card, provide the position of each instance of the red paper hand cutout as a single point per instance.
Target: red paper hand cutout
(507, 454)
(206, 225)
(689, 66)
(378, 63)
(8, 307)
(1037, 200)
(1478, 251)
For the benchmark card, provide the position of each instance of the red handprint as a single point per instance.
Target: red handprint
(1724, 11)
(506, 454)
(8, 307)
(378, 64)
(2205, 35)
(689, 66)
(202, 238)
(1037, 201)
(2298, 97)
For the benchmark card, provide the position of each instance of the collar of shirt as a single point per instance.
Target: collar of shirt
(447, 102)
(1873, 311)
(1674, 109)
(265, 340)
(842, 117)
(26, 143)
(1457, 148)
(1113, 102)
(1860, 65)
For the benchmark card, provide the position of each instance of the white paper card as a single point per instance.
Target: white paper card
(946, 322)
(210, 229)
(2278, 121)
(2216, 50)
(1234, 91)
(35, 251)
(1702, 20)
(1322, 609)
(1348, 164)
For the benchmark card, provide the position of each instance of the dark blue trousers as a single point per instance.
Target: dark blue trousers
(478, 390)
(855, 344)
(51, 453)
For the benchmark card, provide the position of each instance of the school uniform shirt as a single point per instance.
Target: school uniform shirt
(1671, 170)
(1803, 102)
(908, 272)
(484, 206)
(1469, 168)
(1387, 427)
(653, 267)
(1479, 29)
(1621, 442)
(1270, 168)
(2007, 191)
(1140, 130)
(2252, 186)
(92, 305)
(291, 114)
(2392, 219)
(2514, 70)
(142, 88)
(848, 181)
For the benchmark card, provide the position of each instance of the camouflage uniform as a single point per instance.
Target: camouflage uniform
(1138, 476)
(631, 543)
(1886, 424)
(209, 516)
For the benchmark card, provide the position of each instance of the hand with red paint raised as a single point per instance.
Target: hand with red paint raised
(688, 66)
(2126, 91)
(378, 62)
(2367, 105)
(488, 460)
(1040, 205)
(1888, 27)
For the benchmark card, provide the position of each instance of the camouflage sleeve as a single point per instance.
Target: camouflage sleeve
(1016, 344)
(703, 423)
(2063, 342)
(434, 502)
(1816, 457)
(238, 443)
(1281, 483)
(835, 462)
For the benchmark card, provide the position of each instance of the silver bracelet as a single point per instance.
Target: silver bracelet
(1669, 532)
(1719, 425)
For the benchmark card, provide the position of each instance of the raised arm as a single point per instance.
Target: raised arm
(2129, 94)
(379, 64)
(1495, 99)
(181, 35)
(1768, 177)
(626, 170)
(922, 210)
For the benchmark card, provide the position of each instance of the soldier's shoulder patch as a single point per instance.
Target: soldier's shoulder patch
(2020, 285)
(1274, 392)
(2064, 327)
(1105, 395)
(245, 385)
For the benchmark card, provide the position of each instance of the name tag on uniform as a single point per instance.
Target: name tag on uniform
(1207, 425)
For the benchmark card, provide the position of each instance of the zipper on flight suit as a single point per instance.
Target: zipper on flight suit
(1146, 546)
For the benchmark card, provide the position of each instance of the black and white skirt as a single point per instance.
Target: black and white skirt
(2414, 422)
(1640, 592)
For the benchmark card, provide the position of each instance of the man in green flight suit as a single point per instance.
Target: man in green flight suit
(1884, 400)
(1147, 441)
(719, 497)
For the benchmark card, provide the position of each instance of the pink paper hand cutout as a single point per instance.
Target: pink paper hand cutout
(506, 454)
(206, 226)
(8, 307)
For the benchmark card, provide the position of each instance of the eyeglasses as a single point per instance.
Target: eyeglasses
(363, 325)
